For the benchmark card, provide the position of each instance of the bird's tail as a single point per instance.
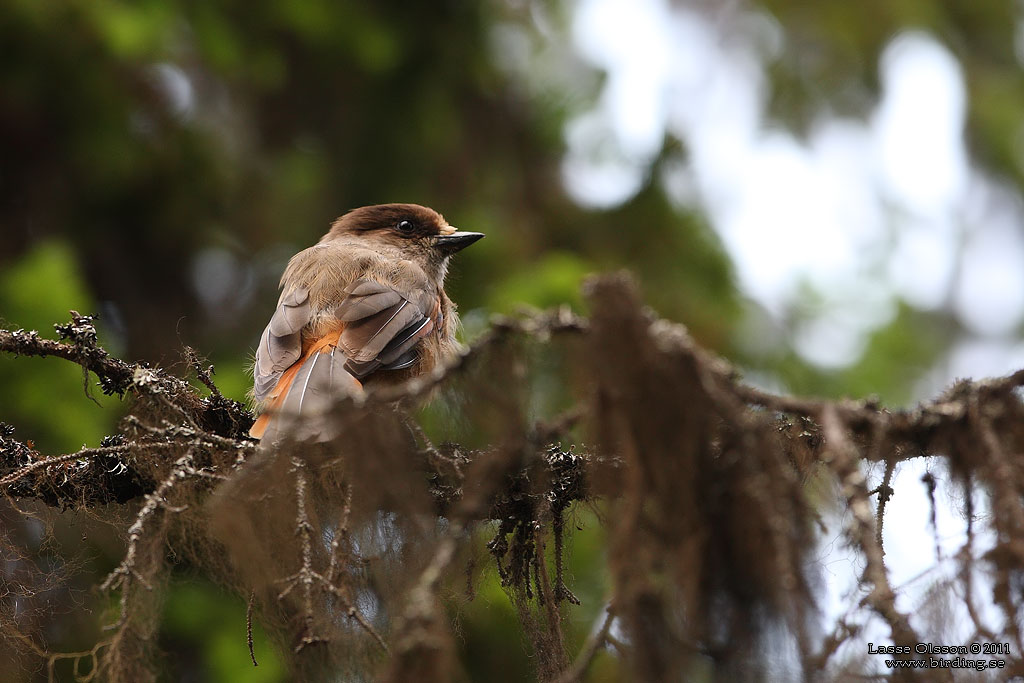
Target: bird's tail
(307, 389)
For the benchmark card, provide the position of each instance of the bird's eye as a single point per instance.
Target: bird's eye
(406, 226)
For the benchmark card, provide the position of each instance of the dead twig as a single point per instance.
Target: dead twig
(595, 642)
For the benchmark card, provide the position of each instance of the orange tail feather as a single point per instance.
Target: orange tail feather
(280, 391)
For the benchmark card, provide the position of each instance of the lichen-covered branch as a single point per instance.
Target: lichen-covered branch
(346, 549)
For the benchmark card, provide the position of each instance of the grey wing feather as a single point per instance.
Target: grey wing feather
(383, 326)
(281, 343)
(320, 381)
(404, 361)
(402, 343)
(382, 330)
(356, 307)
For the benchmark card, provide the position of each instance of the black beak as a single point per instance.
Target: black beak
(457, 241)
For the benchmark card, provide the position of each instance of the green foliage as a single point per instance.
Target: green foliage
(554, 280)
(233, 376)
(205, 628)
(897, 356)
(131, 30)
(45, 397)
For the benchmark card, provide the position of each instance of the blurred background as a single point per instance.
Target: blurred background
(828, 193)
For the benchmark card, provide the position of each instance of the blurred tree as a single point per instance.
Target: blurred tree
(159, 160)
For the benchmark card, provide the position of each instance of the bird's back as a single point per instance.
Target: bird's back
(347, 316)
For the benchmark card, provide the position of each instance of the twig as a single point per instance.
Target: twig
(965, 558)
(541, 326)
(248, 628)
(204, 374)
(595, 642)
(59, 459)
(841, 456)
(122, 576)
(117, 374)
(885, 492)
(548, 598)
(91, 654)
(1008, 516)
(417, 646)
(306, 576)
(840, 635)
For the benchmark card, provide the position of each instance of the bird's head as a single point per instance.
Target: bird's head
(411, 231)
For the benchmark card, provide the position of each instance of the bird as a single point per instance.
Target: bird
(365, 305)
